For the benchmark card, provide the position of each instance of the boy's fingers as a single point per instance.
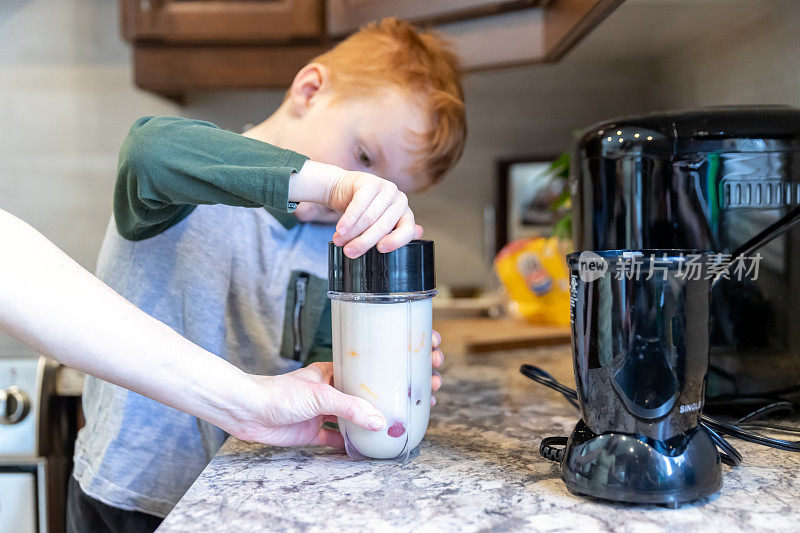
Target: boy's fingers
(378, 206)
(361, 199)
(359, 411)
(436, 339)
(418, 231)
(436, 381)
(437, 357)
(374, 234)
(320, 372)
(401, 235)
(328, 437)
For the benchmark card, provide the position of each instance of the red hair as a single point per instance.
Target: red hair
(392, 52)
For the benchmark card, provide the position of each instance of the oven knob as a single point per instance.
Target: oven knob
(14, 405)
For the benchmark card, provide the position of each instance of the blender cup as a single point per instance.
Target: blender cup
(382, 324)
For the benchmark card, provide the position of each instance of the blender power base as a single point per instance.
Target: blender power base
(623, 468)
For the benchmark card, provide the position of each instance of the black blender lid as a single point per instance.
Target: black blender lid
(688, 130)
(407, 269)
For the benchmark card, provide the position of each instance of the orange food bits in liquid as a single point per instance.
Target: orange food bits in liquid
(369, 391)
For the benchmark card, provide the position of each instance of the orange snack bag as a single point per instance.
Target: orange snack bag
(534, 273)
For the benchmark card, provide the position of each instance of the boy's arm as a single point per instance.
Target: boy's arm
(168, 165)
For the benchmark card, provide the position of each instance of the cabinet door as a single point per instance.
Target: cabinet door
(344, 16)
(221, 21)
(487, 34)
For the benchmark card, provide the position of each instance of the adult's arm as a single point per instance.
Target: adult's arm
(55, 306)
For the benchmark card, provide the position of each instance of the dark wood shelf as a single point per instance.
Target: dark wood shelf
(181, 46)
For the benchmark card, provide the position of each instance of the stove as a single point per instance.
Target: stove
(32, 447)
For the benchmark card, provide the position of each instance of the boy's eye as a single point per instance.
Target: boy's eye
(364, 159)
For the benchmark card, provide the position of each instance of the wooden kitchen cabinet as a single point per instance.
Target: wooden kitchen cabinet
(345, 16)
(176, 70)
(181, 46)
(184, 45)
(222, 21)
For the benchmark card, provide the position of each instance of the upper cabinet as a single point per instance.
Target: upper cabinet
(185, 45)
(345, 16)
(487, 33)
(222, 21)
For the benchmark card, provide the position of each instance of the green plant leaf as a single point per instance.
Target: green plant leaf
(560, 201)
(560, 166)
(563, 228)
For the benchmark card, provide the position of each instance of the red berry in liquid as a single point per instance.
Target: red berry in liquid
(396, 430)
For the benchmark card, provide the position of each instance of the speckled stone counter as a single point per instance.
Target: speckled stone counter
(477, 469)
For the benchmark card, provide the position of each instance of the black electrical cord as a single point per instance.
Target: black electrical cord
(756, 438)
(778, 428)
(769, 409)
(540, 376)
(713, 427)
(728, 454)
(549, 450)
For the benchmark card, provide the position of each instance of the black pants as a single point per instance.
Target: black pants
(87, 515)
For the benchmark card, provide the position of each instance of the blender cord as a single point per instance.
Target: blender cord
(727, 453)
(767, 410)
(541, 376)
(715, 428)
(549, 450)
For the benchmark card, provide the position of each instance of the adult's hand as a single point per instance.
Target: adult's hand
(291, 408)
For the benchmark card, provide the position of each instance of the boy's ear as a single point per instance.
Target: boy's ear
(312, 79)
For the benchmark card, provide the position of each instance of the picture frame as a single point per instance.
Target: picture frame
(526, 187)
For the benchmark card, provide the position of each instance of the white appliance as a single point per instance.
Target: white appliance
(18, 502)
(32, 462)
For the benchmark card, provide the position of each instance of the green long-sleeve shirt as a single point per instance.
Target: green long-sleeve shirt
(169, 165)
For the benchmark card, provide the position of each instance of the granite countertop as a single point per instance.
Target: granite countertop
(477, 469)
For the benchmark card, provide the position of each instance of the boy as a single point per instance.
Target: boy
(249, 284)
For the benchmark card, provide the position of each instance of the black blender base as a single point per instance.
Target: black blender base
(623, 468)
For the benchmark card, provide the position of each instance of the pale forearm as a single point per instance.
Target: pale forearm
(61, 310)
(313, 183)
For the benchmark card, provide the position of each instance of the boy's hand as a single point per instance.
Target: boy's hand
(374, 211)
(437, 357)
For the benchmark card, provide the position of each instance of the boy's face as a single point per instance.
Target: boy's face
(376, 134)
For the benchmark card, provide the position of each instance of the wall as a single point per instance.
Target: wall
(531, 111)
(755, 62)
(68, 99)
(67, 102)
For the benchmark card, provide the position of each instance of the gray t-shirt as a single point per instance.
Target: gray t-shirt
(220, 278)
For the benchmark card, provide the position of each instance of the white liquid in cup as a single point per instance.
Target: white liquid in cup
(382, 353)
